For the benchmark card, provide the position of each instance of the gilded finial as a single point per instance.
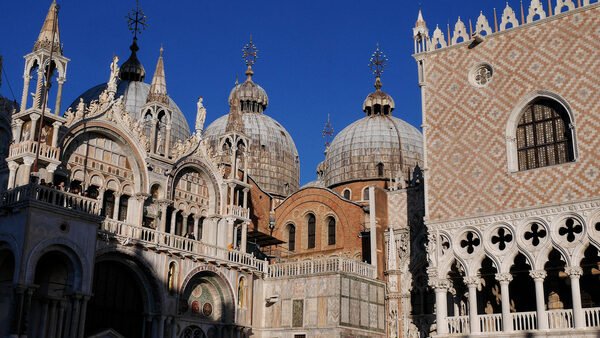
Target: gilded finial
(250, 54)
(161, 50)
(328, 132)
(136, 20)
(377, 64)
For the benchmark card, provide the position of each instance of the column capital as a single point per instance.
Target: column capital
(141, 197)
(12, 165)
(472, 281)
(34, 116)
(574, 271)
(18, 122)
(439, 284)
(230, 220)
(538, 274)
(504, 277)
(57, 124)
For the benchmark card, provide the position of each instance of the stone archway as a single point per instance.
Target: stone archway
(207, 297)
(123, 293)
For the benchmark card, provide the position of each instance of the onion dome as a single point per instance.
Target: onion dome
(376, 147)
(132, 69)
(272, 155)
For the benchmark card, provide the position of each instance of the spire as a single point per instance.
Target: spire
(249, 54)
(377, 64)
(392, 261)
(420, 21)
(50, 33)
(158, 88)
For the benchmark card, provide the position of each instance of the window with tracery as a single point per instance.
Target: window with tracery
(311, 222)
(544, 136)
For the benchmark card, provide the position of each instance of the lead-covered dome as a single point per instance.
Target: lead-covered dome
(135, 94)
(378, 146)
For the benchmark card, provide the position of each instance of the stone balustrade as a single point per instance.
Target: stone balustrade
(524, 321)
(51, 196)
(322, 265)
(129, 233)
(31, 147)
(238, 211)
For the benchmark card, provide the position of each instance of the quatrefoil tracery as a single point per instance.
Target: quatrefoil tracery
(536, 234)
(502, 238)
(571, 229)
(470, 242)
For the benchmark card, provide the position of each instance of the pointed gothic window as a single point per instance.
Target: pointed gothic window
(544, 135)
(311, 222)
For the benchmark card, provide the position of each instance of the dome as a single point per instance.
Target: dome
(273, 161)
(377, 146)
(248, 91)
(135, 94)
(378, 102)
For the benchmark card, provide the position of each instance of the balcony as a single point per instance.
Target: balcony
(31, 147)
(320, 266)
(41, 194)
(237, 211)
(129, 234)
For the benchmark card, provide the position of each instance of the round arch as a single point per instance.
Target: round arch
(106, 129)
(209, 276)
(515, 115)
(204, 169)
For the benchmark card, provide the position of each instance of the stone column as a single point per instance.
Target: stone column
(161, 327)
(27, 163)
(230, 222)
(168, 140)
(441, 304)
(37, 99)
(56, 127)
(26, 79)
(33, 130)
(173, 221)
(538, 277)
(184, 225)
(52, 321)
(153, 145)
(140, 198)
(505, 279)
(173, 328)
(246, 190)
(17, 129)
(84, 302)
(60, 320)
(12, 167)
(61, 81)
(472, 283)
(244, 237)
(575, 273)
(195, 231)
(373, 227)
(50, 169)
(75, 315)
(163, 216)
(115, 215)
(17, 313)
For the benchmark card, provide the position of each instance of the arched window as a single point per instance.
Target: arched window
(311, 222)
(347, 194)
(380, 169)
(291, 237)
(544, 136)
(365, 194)
(330, 231)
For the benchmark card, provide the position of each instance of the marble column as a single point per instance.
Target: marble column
(173, 221)
(195, 231)
(26, 80)
(17, 313)
(115, 215)
(505, 279)
(163, 216)
(17, 129)
(55, 128)
(230, 222)
(441, 304)
(33, 129)
(168, 141)
(37, 99)
(538, 277)
(161, 327)
(184, 225)
(575, 273)
(12, 171)
(472, 283)
(75, 315)
(244, 237)
(83, 312)
(61, 82)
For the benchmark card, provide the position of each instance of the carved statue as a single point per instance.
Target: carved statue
(393, 319)
(80, 108)
(114, 75)
(200, 115)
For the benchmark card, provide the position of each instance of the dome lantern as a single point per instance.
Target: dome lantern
(378, 102)
(252, 97)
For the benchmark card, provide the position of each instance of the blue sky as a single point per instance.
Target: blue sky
(313, 54)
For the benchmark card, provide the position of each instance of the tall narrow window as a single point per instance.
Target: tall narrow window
(330, 231)
(311, 231)
(347, 194)
(380, 169)
(544, 136)
(291, 237)
(366, 194)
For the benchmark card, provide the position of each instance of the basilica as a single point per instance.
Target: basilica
(119, 219)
